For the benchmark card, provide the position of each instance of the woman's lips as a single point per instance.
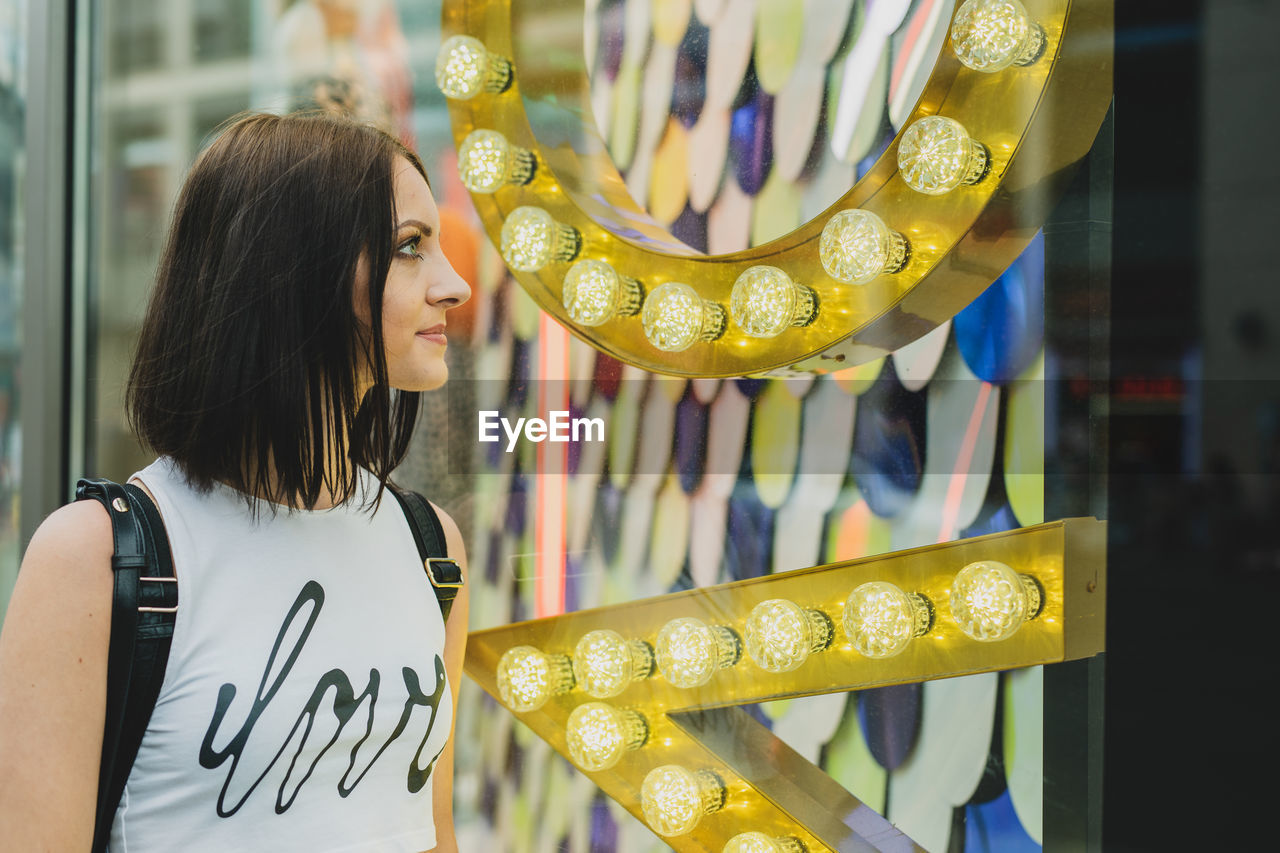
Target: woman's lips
(435, 334)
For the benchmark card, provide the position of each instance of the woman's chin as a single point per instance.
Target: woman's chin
(428, 381)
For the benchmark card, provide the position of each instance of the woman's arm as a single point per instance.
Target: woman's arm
(455, 647)
(53, 683)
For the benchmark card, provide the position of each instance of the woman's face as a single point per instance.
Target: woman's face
(421, 287)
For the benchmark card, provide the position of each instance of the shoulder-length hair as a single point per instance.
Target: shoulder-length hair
(251, 357)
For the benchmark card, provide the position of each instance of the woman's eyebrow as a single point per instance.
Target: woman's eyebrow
(426, 229)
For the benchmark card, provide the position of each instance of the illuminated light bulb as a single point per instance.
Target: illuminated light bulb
(465, 68)
(765, 302)
(488, 162)
(758, 842)
(531, 239)
(594, 292)
(674, 798)
(780, 634)
(675, 317)
(604, 662)
(936, 155)
(856, 246)
(527, 678)
(991, 35)
(990, 601)
(881, 619)
(689, 651)
(599, 735)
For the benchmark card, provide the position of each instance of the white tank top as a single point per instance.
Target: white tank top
(305, 700)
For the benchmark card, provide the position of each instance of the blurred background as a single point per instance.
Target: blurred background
(1124, 367)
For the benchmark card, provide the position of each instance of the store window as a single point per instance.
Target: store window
(697, 482)
(1158, 409)
(223, 29)
(13, 59)
(175, 73)
(136, 35)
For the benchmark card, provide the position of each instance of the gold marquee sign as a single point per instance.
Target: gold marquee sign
(643, 696)
(1013, 102)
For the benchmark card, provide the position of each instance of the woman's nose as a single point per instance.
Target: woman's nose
(451, 291)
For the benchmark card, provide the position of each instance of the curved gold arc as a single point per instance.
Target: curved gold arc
(1037, 122)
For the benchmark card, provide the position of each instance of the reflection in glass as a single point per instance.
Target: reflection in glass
(758, 842)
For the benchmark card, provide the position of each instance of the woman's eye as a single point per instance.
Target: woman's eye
(409, 248)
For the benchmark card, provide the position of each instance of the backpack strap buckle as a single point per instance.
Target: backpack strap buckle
(166, 594)
(444, 573)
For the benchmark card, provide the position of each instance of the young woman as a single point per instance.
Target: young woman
(300, 306)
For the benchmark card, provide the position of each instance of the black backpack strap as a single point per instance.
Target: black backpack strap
(144, 607)
(445, 574)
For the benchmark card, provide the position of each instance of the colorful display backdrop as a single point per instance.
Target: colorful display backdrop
(720, 116)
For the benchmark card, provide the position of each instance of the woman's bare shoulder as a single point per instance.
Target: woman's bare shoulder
(53, 669)
(76, 526)
(65, 577)
(74, 543)
(62, 598)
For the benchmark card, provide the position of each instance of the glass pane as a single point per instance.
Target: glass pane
(130, 205)
(13, 92)
(156, 109)
(698, 483)
(136, 31)
(222, 29)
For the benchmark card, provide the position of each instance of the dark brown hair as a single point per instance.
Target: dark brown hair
(246, 371)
